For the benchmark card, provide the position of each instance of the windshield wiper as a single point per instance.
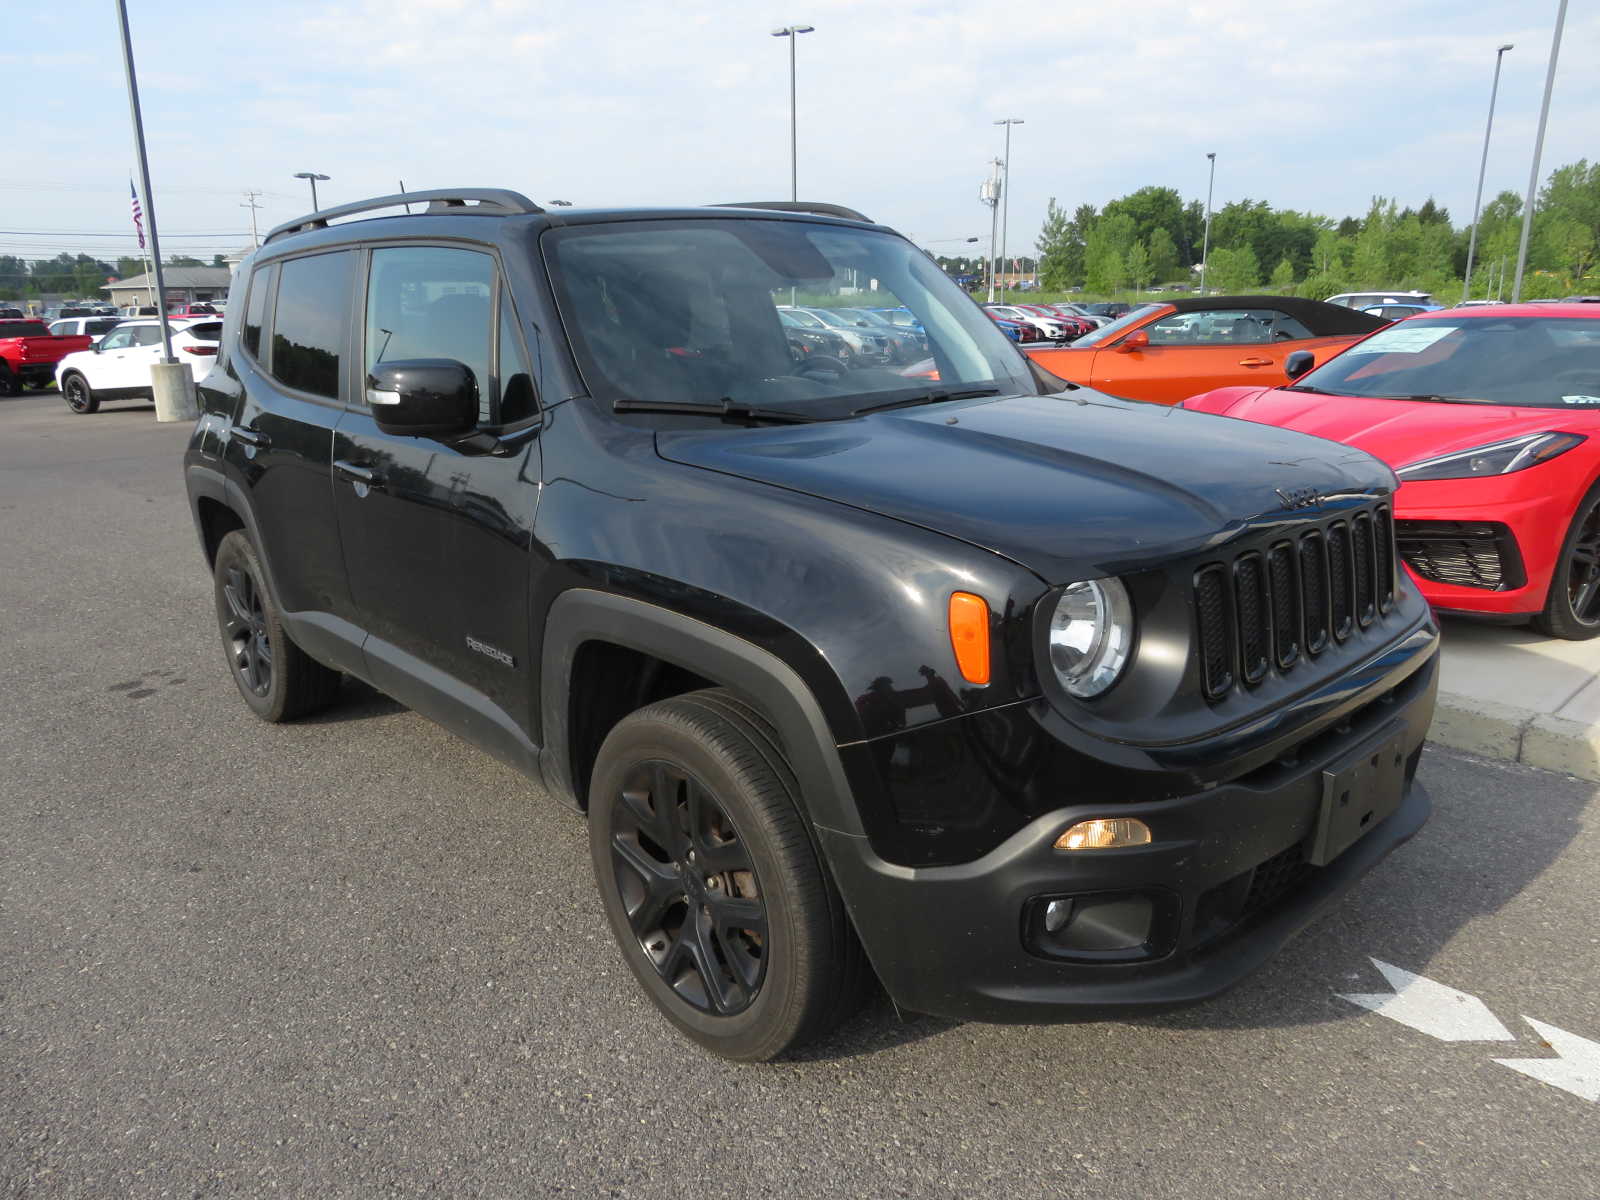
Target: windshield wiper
(934, 397)
(1306, 387)
(1436, 399)
(726, 408)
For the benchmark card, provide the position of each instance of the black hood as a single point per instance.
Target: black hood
(1059, 484)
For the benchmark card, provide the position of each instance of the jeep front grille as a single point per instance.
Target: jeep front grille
(1278, 607)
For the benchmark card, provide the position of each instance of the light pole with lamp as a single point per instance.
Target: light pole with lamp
(793, 32)
(1005, 194)
(1477, 202)
(312, 177)
(1538, 149)
(1205, 245)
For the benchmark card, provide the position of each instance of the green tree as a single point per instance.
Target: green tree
(1283, 276)
(183, 260)
(1232, 271)
(1053, 245)
(1163, 254)
(127, 267)
(1138, 261)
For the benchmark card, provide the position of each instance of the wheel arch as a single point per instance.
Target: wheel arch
(581, 619)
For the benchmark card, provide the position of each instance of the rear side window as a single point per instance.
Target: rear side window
(146, 335)
(255, 313)
(308, 323)
(11, 329)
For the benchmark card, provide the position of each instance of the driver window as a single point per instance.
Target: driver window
(432, 302)
(117, 339)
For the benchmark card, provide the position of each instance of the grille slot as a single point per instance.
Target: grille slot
(1314, 590)
(1216, 636)
(1340, 602)
(1366, 569)
(1285, 605)
(1384, 527)
(1286, 602)
(1250, 585)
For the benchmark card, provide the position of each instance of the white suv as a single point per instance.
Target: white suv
(95, 327)
(118, 366)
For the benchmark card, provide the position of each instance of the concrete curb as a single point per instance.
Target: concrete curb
(1515, 734)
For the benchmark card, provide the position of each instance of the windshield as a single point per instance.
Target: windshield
(1106, 332)
(1538, 362)
(678, 312)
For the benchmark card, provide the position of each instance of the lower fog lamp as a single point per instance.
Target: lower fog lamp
(1105, 833)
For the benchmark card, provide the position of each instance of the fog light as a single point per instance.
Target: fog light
(1105, 834)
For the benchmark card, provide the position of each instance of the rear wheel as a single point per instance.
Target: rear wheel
(713, 889)
(277, 679)
(80, 397)
(1572, 609)
(10, 385)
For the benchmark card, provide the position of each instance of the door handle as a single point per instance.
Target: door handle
(358, 473)
(1255, 362)
(250, 437)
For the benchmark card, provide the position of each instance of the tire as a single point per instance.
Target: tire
(10, 385)
(80, 397)
(277, 679)
(1572, 607)
(734, 930)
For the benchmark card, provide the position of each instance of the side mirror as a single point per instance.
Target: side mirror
(1298, 363)
(1137, 340)
(423, 397)
(95, 346)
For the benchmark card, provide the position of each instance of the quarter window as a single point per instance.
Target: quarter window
(309, 322)
(432, 302)
(255, 312)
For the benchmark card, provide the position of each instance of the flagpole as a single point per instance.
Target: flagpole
(144, 178)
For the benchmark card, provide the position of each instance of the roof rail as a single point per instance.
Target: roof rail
(801, 206)
(496, 202)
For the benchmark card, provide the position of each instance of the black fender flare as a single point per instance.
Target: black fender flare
(579, 615)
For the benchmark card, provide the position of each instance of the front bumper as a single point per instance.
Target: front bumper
(1229, 877)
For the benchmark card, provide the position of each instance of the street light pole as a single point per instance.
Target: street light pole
(144, 180)
(1005, 194)
(1538, 149)
(793, 32)
(1483, 166)
(1205, 245)
(312, 177)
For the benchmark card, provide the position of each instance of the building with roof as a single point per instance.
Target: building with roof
(184, 285)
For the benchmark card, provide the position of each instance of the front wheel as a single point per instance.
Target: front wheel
(1572, 608)
(711, 884)
(80, 397)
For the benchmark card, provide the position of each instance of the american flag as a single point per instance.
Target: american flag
(138, 214)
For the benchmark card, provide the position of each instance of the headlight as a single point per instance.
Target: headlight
(1091, 633)
(1497, 458)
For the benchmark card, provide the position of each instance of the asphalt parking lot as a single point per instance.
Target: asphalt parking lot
(356, 956)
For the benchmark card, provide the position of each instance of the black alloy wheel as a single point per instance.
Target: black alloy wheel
(713, 888)
(689, 888)
(244, 628)
(1572, 609)
(277, 679)
(80, 397)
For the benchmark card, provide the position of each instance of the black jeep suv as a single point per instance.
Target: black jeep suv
(1029, 701)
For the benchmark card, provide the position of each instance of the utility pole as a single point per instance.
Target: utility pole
(1483, 166)
(989, 193)
(1538, 149)
(252, 205)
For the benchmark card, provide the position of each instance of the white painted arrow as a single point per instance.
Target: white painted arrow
(1432, 1008)
(1575, 1069)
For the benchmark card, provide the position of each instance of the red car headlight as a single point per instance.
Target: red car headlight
(1495, 458)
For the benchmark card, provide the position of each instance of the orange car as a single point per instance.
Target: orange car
(1169, 351)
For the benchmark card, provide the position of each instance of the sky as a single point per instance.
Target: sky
(1308, 105)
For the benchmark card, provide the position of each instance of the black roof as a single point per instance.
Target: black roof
(1323, 320)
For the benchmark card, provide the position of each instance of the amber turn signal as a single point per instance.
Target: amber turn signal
(1105, 834)
(969, 635)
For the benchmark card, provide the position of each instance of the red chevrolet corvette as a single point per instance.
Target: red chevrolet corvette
(1490, 416)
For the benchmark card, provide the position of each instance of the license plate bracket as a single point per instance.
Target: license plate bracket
(1359, 790)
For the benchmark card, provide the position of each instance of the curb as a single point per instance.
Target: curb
(1519, 735)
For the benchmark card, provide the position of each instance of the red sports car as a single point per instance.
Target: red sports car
(1490, 416)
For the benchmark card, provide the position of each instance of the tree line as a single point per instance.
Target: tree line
(1152, 237)
(77, 275)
